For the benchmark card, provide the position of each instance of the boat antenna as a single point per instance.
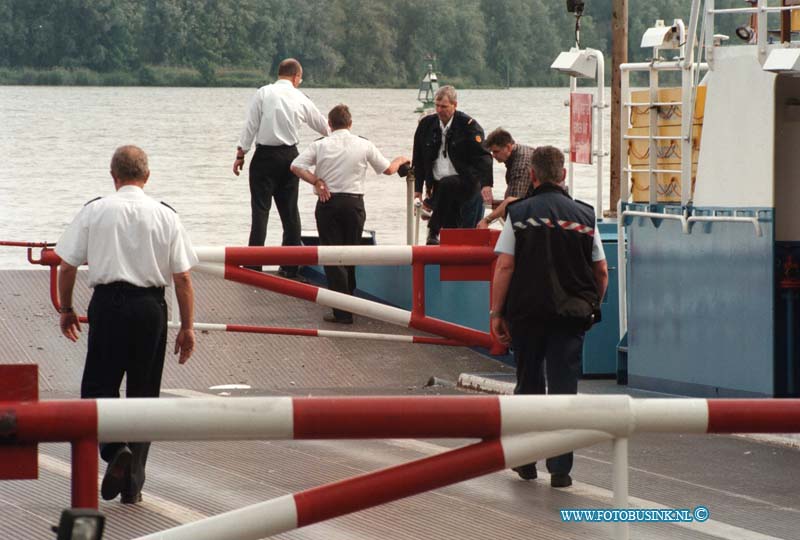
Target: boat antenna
(576, 7)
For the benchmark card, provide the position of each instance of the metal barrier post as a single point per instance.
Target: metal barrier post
(619, 485)
(84, 473)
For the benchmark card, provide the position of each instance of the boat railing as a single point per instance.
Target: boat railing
(753, 220)
(687, 217)
(761, 11)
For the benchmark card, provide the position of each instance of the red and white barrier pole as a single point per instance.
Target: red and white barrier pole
(314, 332)
(161, 419)
(567, 422)
(417, 256)
(373, 489)
(347, 255)
(349, 303)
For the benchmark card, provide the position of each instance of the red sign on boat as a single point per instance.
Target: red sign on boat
(580, 128)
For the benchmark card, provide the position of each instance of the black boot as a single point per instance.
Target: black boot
(433, 238)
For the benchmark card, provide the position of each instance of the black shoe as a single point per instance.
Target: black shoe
(560, 480)
(114, 479)
(331, 318)
(433, 239)
(526, 472)
(131, 498)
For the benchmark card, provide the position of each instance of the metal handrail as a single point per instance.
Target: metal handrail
(647, 170)
(765, 9)
(654, 137)
(658, 215)
(735, 219)
(653, 104)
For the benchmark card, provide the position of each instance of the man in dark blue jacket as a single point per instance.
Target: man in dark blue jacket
(550, 278)
(450, 160)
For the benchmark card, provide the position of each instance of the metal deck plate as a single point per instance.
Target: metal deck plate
(749, 487)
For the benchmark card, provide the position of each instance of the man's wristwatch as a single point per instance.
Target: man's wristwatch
(66, 310)
(495, 314)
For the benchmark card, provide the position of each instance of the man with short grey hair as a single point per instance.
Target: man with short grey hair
(452, 164)
(135, 247)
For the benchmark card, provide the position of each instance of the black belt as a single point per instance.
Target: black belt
(277, 147)
(124, 287)
(351, 195)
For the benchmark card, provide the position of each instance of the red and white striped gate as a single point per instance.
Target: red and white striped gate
(514, 430)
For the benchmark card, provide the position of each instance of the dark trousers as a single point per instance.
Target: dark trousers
(340, 222)
(472, 211)
(548, 362)
(270, 178)
(127, 336)
(452, 196)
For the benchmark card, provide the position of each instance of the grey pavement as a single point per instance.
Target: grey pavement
(749, 486)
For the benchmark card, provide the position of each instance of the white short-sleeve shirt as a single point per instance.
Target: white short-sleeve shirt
(341, 161)
(275, 115)
(129, 237)
(507, 242)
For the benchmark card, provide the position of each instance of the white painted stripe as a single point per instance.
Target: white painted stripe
(212, 269)
(185, 392)
(366, 255)
(363, 307)
(522, 414)
(683, 415)
(711, 527)
(529, 447)
(209, 254)
(202, 419)
(150, 502)
(365, 335)
(256, 521)
(210, 327)
(230, 387)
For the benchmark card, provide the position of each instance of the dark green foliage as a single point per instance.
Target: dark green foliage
(339, 42)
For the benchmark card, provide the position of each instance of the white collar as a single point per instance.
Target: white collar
(449, 122)
(130, 188)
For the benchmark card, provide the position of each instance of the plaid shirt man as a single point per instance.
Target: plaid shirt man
(518, 172)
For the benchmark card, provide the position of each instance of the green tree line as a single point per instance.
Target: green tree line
(339, 42)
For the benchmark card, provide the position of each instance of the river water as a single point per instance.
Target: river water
(56, 144)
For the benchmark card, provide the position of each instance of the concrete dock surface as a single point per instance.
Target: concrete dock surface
(749, 486)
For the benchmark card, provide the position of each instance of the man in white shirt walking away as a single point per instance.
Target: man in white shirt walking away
(340, 169)
(273, 122)
(135, 247)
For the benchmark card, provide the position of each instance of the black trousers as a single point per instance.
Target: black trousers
(450, 196)
(340, 222)
(548, 362)
(127, 336)
(270, 178)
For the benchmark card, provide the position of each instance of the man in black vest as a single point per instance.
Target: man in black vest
(450, 160)
(550, 277)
